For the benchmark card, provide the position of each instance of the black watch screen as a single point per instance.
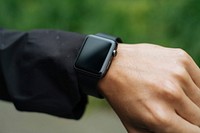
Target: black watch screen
(95, 55)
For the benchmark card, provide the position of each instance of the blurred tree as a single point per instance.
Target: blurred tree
(170, 23)
(185, 28)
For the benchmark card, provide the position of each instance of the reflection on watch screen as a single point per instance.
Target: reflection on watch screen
(93, 55)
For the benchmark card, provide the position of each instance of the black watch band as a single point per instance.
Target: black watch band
(88, 83)
(116, 39)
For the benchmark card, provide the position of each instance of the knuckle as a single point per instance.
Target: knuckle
(171, 91)
(183, 57)
(160, 120)
(167, 89)
(180, 74)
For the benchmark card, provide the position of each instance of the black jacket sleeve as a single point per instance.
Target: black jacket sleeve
(37, 74)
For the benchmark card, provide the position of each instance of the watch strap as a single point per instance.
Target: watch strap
(88, 85)
(117, 39)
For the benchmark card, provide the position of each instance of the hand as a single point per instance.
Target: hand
(154, 89)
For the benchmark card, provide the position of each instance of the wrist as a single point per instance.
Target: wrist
(107, 85)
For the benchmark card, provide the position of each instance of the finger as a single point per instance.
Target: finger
(188, 110)
(179, 125)
(189, 78)
(192, 91)
(194, 71)
(189, 87)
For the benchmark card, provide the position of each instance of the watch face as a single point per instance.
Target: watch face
(95, 55)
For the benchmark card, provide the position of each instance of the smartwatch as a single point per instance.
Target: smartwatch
(93, 61)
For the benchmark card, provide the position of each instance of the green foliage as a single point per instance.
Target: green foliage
(165, 22)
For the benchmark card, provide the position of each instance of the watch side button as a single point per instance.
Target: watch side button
(114, 53)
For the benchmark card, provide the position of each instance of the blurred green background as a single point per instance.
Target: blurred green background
(172, 23)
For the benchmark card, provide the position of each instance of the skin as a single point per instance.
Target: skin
(154, 89)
